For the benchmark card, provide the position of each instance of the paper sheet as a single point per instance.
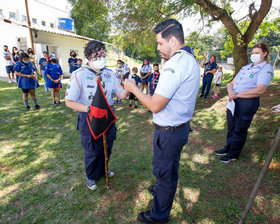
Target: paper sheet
(231, 106)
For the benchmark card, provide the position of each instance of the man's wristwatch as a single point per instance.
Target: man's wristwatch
(88, 109)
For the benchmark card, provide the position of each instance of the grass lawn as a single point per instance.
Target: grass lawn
(42, 177)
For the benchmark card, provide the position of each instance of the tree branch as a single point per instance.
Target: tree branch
(218, 13)
(257, 20)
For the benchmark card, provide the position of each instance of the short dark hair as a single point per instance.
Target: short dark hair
(135, 69)
(45, 52)
(23, 55)
(156, 64)
(79, 59)
(169, 28)
(93, 48)
(5, 46)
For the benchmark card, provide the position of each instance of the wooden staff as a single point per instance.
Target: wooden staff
(106, 158)
(260, 178)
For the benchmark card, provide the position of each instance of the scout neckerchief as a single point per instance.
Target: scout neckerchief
(155, 79)
(99, 77)
(187, 50)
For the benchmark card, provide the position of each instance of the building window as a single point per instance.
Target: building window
(51, 25)
(12, 15)
(23, 18)
(43, 23)
(34, 21)
(1, 12)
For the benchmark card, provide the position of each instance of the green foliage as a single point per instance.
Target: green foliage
(43, 178)
(91, 18)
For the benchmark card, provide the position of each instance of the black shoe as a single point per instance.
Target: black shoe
(28, 108)
(145, 217)
(205, 96)
(151, 189)
(54, 102)
(221, 152)
(58, 102)
(226, 159)
(201, 95)
(38, 107)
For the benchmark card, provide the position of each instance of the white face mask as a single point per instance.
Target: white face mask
(98, 63)
(255, 58)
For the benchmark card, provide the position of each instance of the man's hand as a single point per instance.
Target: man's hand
(129, 85)
(232, 95)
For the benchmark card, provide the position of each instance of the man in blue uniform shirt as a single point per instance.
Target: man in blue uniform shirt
(172, 105)
(79, 95)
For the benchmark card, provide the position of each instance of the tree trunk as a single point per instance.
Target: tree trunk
(240, 57)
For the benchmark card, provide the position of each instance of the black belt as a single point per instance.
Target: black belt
(169, 128)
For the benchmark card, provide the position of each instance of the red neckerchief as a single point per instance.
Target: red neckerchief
(155, 78)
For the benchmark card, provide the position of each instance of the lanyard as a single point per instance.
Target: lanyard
(155, 79)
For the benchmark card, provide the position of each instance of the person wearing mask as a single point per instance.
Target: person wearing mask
(42, 67)
(79, 94)
(9, 64)
(27, 80)
(245, 90)
(210, 68)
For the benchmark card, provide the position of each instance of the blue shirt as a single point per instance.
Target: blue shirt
(153, 80)
(54, 70)
(43, 63)
(72, 62)
(210, 66)
(26, 69)
(179, 82)
(136, 78)
(83, 85)
(250, 76)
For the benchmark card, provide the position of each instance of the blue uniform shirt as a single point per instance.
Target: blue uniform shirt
(153, 80)
(136, 78)
(54, 70)
(43, 63)
(179, 81)
(26, 69)
(83, 84)
(72, 62)
(210, 66)
(250, 76)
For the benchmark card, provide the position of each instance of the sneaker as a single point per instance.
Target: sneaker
(14, 81)
(205, 96)
(135, 107)
(146, 217)
(10, 81)
(214, 96)
(58, 102)
(38, 107)
(129, 106)
(221, 152)
(111, 173)
(28, 108)
(201, 95)
(91, 184)
(226, 159)
(54, 102)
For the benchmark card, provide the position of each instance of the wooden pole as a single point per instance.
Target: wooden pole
(106, 158)
(29, 25)
(260, 178)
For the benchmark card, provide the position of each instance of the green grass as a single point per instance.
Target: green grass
(42, 177)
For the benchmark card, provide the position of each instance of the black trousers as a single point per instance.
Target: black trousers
(167, 152)
(206, 83)
(94, 150)
(238, 124)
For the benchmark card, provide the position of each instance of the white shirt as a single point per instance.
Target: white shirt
(7, 62)
(179, 81)
(218, 75)
(83, 84)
